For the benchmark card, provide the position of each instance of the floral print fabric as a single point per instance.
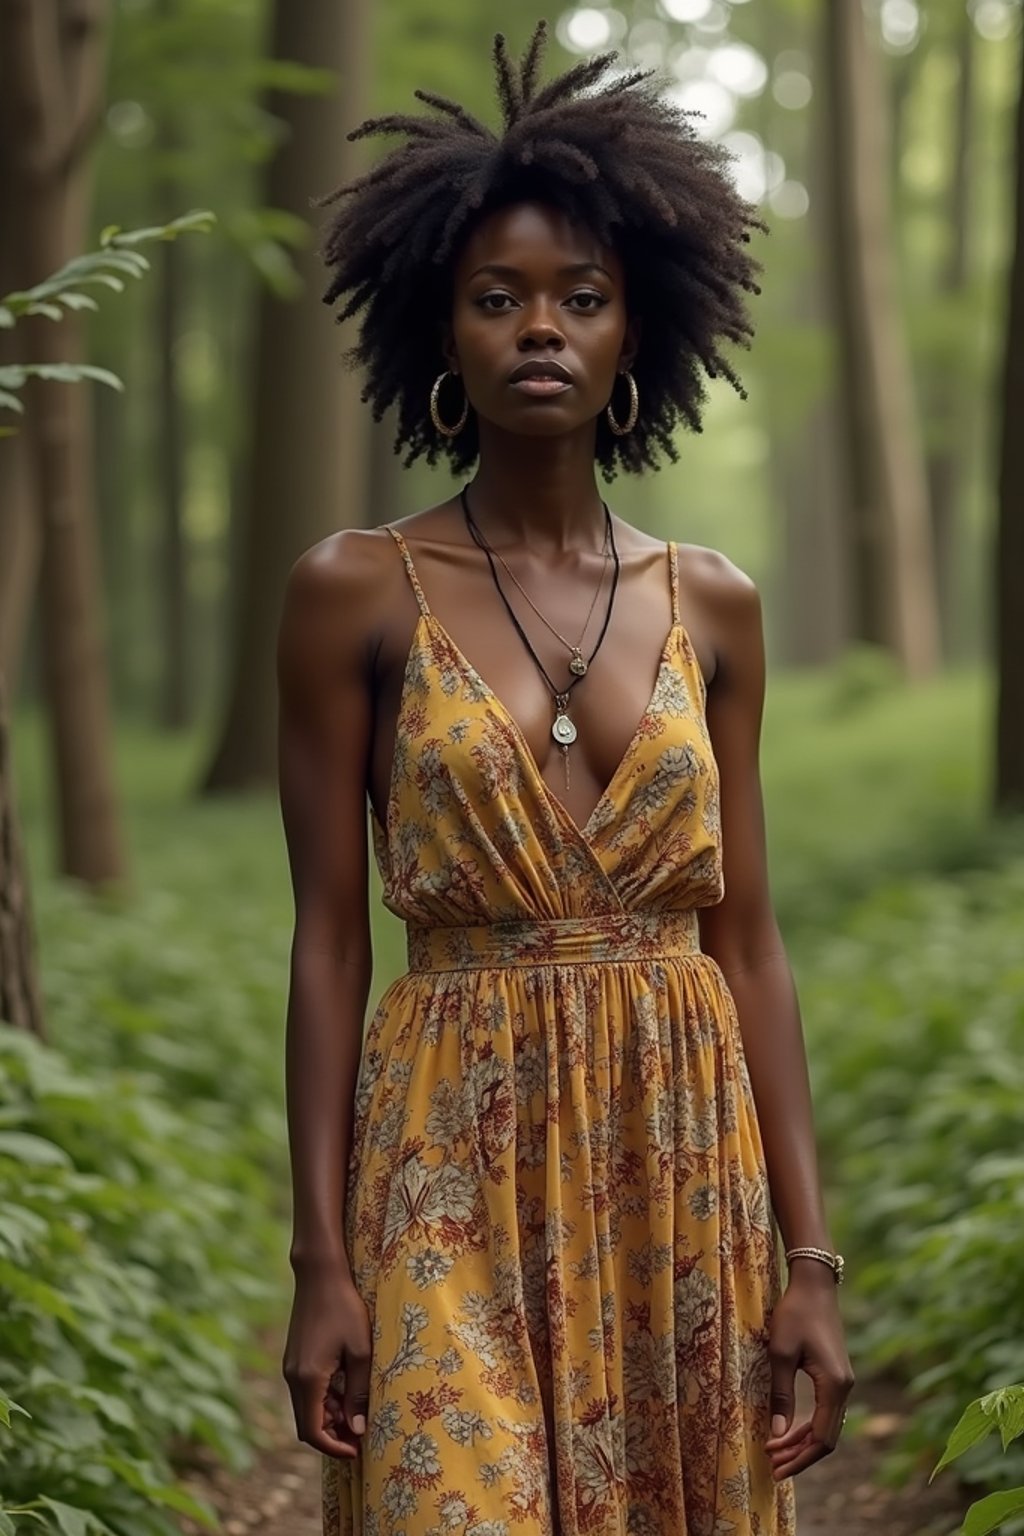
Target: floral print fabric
(558, 1212)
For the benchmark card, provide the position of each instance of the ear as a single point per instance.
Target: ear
(448, 351)
(630, 343)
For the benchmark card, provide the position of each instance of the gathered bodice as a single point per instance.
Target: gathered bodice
(472, 832)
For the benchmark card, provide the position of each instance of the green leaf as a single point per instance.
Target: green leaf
(7, 1526)
(973, 1426)
(42, 1297)
(48, 311)
(11, 403)
(74, 300)
(33, 1150)
(161, 1493)
(198, 221)
(1006, 1407)
(14, 375)
(70, 1521)
(9, 1406)
(987, 1514)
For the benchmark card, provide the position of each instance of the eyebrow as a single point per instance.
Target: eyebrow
(576, 269)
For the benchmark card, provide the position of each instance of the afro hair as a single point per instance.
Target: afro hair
(615, 155)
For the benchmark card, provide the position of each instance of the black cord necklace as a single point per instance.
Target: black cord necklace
(563, 728)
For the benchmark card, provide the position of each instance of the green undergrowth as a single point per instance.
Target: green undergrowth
(143, 1209)
(915, 1023)
(142, 1170)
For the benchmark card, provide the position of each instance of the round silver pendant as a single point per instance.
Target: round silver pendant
(577, 665)
(563, 731)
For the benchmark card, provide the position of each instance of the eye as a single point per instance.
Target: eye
(495, 302)
(587, 302)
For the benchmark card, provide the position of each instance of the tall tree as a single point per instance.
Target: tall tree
(19, 531)
(950, 401)
(1009, 579)
(173, 572)
(51, 73)
(306, 474)
(20, 996)
(894, 598)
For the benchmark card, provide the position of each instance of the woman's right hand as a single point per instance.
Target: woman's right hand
(327, 1361)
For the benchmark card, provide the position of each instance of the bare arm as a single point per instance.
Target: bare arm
(325, 729)
(743, 936)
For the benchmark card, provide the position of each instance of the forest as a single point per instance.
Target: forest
(178, 424)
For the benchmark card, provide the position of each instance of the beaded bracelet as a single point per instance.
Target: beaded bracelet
(835, 1261)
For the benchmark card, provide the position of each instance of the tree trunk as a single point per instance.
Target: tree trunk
(307, 471)
(172, 578)
(813, 617)
(53, 58)
(1009, 575)
(950, 402)
(890, 536)
(20, 996)
(19, 529)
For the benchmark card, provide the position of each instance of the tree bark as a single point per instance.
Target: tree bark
(307, 471)
(19, 529)
(21, 1001)
(949, 399)
(53, 62)
(172, 577)
(1009, 574)
(894, 601)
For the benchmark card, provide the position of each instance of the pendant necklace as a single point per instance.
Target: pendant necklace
(563, 728)
(578, 663)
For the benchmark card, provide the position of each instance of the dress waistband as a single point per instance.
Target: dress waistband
(615, 938)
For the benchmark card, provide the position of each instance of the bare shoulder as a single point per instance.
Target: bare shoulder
(353, 566)
(719, 585)
(336, 602)
(724, 608)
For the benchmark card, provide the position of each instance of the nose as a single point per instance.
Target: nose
(539, 331)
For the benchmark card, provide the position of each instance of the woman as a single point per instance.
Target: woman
(537, 1287)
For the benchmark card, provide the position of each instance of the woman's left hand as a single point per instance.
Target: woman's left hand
(806, 1334)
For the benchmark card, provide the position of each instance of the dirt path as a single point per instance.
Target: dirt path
(279, 1495)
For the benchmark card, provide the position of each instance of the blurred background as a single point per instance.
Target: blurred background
(872, 484)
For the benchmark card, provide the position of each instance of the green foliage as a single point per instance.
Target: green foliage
(916, 1029)
(1002, 1409)
(62, 293)
(124, 1290)
(142, 1175)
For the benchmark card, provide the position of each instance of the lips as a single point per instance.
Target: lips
(537, 368)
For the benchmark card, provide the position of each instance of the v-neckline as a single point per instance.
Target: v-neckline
(583, 832)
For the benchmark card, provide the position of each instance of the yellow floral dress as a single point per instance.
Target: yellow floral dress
(558, 1212)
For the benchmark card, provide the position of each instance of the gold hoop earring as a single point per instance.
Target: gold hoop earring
(634, 409)
(435, 414)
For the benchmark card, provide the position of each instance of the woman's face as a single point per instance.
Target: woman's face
(539, 327)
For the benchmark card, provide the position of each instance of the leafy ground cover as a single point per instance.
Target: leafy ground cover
(142, 1166)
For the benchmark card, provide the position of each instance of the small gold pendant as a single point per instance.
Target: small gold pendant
(577, 665)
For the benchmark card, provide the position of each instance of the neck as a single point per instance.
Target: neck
(541, 492)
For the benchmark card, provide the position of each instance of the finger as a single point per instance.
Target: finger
(356, 1396)
(313, 1427)
(793, 1435)
(334, 1411)
(807, 1457)
(830, 1396)
(783, 1391)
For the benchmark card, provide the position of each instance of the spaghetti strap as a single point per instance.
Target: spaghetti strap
(673, 573)
(410, 569)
